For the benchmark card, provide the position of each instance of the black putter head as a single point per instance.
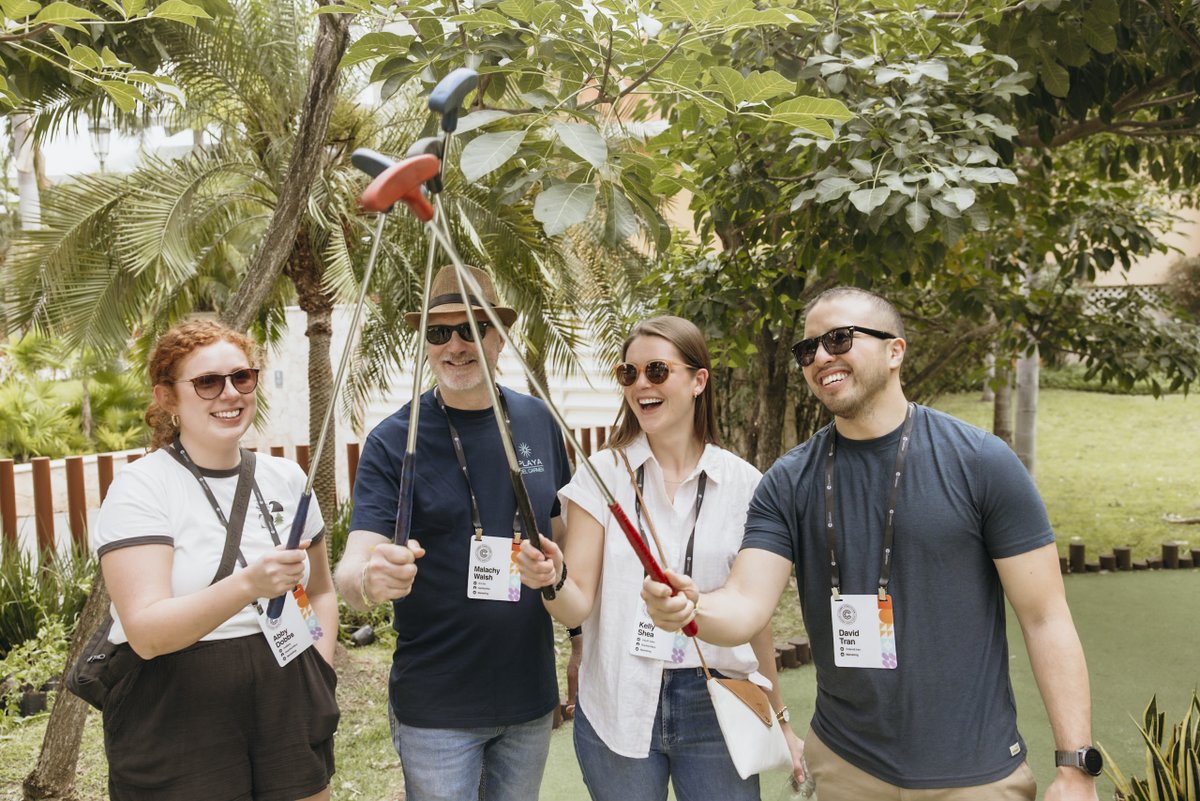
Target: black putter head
(448, 96)
(429, 146)
(370, 162)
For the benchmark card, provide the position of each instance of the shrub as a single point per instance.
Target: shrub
(33, 594)
(35, 664)
(1173, 769)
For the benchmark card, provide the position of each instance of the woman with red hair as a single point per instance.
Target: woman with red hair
(226, 705)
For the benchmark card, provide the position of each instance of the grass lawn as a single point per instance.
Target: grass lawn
(1109, 468)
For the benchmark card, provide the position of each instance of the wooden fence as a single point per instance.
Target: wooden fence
(44, 510)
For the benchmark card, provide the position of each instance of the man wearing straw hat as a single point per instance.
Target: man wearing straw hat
(473, 685)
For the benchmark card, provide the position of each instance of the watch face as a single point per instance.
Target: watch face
(1093, 763)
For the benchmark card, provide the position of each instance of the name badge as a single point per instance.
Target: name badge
(651, 642)
(292, 633)
(492, 574)
(864, 632)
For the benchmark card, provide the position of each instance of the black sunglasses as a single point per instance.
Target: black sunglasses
(836, 342)
(440, 334)
(210, 385)
(657, 371)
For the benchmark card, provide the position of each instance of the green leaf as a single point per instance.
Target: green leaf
(813, 107)
(112, 61)
(564, 205)
(16, 9)
(806, 122)
(917, 216)
(867, 200)
(834, 188)
(752, 18)
(1101, 36)
(1054, 76)
(479, 19)
(64, 14)
(728, 81)
(1106, 11)
(478, 119)
(376, 45)
(86, 57)
(762, 86)
(519, 9)
(487, 152)
(342, 9)
(125, 95)
(963, 197)
(133, 8)
(584, 140)
(179, 11)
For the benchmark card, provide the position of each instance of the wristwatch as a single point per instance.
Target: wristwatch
(783, 715)
(1087, 759)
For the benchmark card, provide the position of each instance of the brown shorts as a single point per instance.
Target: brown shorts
(838, 780)
(221, 721)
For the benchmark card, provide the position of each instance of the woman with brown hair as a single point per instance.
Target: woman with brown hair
(643, 717)
(226, 704)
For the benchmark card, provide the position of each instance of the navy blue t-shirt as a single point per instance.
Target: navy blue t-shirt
(945, 717)
(462, 663)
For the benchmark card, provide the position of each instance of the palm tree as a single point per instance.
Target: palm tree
(122, 257)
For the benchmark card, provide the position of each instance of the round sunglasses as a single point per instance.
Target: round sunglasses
(836, 341)
(657, 371)
(210, 385)
(440, 334)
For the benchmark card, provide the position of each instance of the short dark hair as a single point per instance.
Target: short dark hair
(893, 323)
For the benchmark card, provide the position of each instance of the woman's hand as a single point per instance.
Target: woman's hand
(540, 568)
(277, 571)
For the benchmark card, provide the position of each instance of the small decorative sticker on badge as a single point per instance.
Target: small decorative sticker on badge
(847, 614)
(484, 552)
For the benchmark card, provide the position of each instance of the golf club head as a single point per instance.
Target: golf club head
(432, 146)
(370, 161)
(402, 181)
(448, 96)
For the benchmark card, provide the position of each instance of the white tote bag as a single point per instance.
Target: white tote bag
(752, 734)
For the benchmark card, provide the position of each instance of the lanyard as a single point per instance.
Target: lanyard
(687, 559)
(461, 456)
(889, 529)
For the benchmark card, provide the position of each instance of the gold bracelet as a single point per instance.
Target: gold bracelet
(362, 585)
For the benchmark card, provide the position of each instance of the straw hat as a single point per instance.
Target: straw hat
(444, 297)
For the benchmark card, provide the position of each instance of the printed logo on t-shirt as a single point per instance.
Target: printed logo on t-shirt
(276, 513)
(528, 462)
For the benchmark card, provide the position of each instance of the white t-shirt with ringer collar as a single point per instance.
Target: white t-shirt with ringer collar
(156, 500)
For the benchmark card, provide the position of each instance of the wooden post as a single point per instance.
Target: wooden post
(277, 450)
(1124, 557)
(104, 471)
(586, 441)
(133, 457)
(76, 500)
(43, 503)
(302, 457)
(601, 436)
(1170, 555)
(352, 464)
(8, 501)
(1078, 557)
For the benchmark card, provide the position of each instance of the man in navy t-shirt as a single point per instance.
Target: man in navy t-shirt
(907, 529)
(473, 684)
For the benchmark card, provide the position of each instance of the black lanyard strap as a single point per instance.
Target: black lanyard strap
(460, 454)
(889, 528)
(637, 505)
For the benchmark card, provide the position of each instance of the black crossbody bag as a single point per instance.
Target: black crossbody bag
(102, 664)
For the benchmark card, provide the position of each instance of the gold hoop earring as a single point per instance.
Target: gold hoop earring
(175, 421)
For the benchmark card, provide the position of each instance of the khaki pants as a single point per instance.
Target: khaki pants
(838, 780)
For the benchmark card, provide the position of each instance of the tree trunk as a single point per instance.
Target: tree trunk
(989, 378)
(85, 408)
(771, 400)
(305, 161)
(305, 271)
(1025, 434)
(54, 775)
(1002, 416)
(29, 211)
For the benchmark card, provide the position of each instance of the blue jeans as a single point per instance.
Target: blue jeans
(686, 747)
(493, 763)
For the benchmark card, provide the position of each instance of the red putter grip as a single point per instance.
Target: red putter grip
(647, 558)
